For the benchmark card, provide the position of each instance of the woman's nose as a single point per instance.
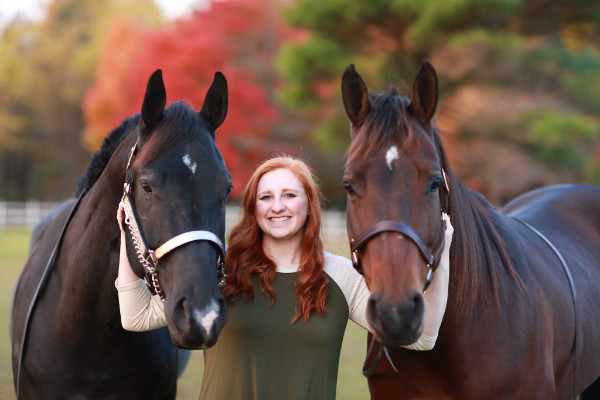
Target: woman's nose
(278, 204)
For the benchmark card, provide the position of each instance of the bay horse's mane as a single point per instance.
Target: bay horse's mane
(477, 245)
(179, 119)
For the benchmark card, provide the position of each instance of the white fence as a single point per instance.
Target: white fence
(25, 215)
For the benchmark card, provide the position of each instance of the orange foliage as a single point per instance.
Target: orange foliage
(237, 37)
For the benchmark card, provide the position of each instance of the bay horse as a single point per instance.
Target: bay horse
(66, 333)
(522, 319)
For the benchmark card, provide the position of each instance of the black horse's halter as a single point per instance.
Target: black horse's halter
(148, 257)
(431, 257)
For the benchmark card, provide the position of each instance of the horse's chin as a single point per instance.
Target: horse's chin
(195, 345)
(397, 340)
(195, 341)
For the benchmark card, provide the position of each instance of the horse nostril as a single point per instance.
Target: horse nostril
(418, 308)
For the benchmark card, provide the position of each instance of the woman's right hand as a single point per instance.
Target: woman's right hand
(126, 275)
(121, 217)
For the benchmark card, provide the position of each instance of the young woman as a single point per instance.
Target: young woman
(289, 300)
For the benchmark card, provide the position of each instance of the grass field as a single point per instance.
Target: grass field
(13, 250)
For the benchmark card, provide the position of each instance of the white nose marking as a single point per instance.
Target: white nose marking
(391, 155)
(207, 317)
(187, 160)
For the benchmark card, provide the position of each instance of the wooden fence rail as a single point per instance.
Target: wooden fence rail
(25, 215)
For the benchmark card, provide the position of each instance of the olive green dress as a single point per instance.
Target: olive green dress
(261, 355)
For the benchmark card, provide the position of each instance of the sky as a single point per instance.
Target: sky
(32, 9)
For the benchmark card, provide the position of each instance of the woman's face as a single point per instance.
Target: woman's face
(281, 205)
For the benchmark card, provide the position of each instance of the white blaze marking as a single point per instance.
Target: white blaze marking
(391, 155)
(187, 160)
(207, 317)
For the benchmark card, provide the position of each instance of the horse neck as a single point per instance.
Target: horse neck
(91, 244)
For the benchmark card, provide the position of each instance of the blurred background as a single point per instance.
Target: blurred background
(519, 101)
(519, 82)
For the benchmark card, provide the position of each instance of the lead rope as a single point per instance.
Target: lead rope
(41, 285)
(573, 294)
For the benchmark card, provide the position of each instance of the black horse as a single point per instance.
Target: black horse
(67, 338)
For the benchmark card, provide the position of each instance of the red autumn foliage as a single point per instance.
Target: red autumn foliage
(236, 37)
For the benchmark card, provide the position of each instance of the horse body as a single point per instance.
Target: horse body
(74, 344)
(513, 326)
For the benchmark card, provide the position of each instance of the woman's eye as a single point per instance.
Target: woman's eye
(265, 198)
(146, 187)
(290, 195)
(348, 187)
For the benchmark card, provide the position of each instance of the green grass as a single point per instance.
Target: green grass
(13, 252)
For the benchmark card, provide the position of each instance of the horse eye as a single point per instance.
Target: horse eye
(146, 188)
(435, 183)
(348, 187)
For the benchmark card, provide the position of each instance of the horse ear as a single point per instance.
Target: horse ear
(154, 102)
(355, 96)
(215, 105)
(424, 93)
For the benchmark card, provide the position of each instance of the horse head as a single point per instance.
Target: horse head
(175, 194)
(396, 191)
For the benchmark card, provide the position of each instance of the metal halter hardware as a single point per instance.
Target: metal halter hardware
(431, 257)
(148, 257)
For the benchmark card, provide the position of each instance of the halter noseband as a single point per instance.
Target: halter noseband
(431, 257)
(148, 257)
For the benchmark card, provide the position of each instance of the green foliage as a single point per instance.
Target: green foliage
(561, 138)
(497, 42)
(318, 60)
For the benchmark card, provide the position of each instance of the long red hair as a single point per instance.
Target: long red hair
(245, 256)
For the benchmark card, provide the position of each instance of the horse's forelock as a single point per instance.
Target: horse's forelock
(179, 123)
(388, 121)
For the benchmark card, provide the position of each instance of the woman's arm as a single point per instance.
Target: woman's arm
(140, 311)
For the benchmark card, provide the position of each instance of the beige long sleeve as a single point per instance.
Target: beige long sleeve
(140, 311)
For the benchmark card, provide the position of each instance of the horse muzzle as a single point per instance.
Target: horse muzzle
(396, 325)
(196, 328)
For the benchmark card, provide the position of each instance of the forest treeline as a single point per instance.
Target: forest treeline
(519, 83)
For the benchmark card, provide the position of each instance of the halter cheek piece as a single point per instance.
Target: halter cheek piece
(148, 257)
(431, 257)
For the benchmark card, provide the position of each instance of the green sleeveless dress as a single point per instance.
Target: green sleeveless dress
(260, 355)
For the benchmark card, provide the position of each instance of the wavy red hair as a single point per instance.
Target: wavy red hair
(245, 256)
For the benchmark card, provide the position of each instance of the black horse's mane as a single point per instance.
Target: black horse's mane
(477, 245)
(101, 157)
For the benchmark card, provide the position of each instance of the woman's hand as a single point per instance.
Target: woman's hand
(126, 275)
(121, 218)
(445, 259)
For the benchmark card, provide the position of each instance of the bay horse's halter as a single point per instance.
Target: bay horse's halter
(431, 257)
(148, 257)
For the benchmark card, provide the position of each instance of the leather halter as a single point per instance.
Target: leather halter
(430, 256)
(149, 257)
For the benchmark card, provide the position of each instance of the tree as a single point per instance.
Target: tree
(45, 71)
(237, 37)
(514, 75)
